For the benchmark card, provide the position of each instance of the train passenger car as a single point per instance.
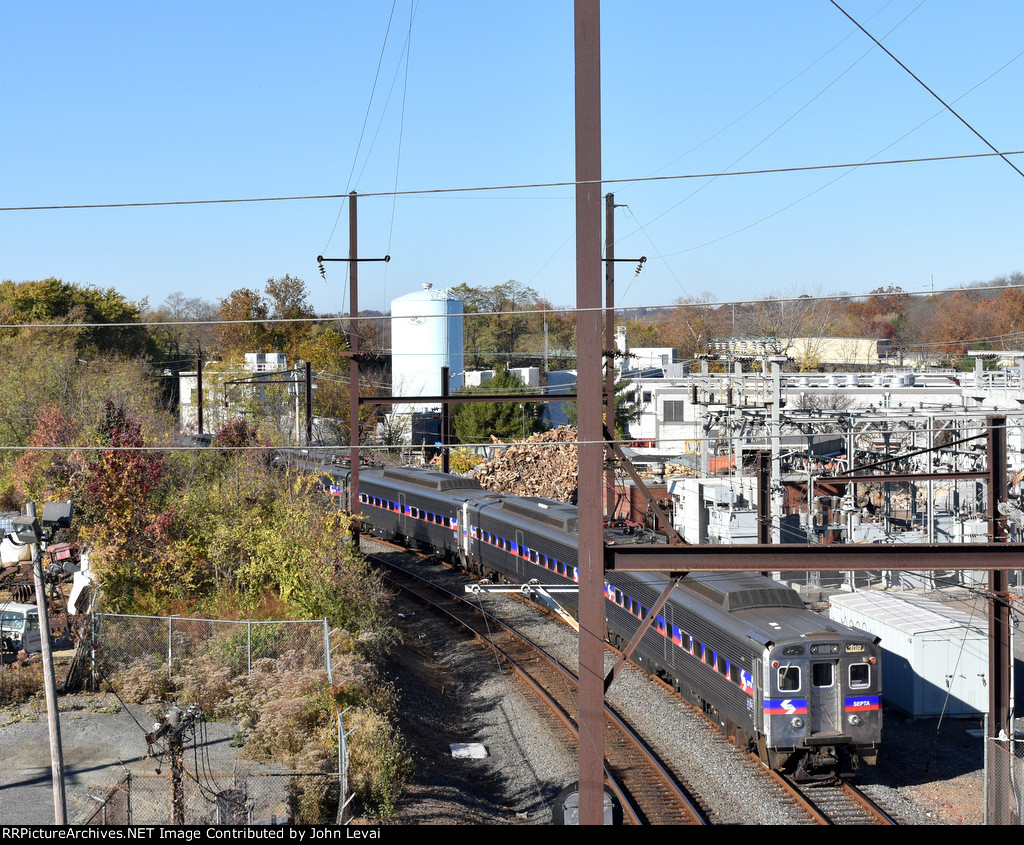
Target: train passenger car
(802, 691)
(523, 538)
(416, 508)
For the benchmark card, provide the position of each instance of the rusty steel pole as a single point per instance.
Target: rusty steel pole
(308, 372)
(199, 395)
(445, 421)
(353, 369)
(587, 51)
(609, 343)
(1000, 658)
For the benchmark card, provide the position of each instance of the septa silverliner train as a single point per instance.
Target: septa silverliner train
(800, 690)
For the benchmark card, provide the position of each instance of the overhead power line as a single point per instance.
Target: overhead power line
(512, 187)
(363, 318)
(920, 82)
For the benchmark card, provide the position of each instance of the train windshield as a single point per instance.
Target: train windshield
(860, 675)
(789, 678)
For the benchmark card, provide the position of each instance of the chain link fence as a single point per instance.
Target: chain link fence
(1004, 782)
(116, 807)
(177, 643)
(232, 799)
(162, 658)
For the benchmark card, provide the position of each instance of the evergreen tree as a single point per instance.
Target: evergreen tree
(475, 422)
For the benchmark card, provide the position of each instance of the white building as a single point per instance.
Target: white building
(233, 391)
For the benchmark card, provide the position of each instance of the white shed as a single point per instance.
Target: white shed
(935, 658)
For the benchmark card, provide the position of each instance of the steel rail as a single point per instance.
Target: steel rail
(628, 801)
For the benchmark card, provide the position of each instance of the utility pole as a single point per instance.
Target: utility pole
(353, 351)
(309, 403)
(353, 367)
(587, 51)
(1001, 809)
(173, 724)
(199, 395)
(49, 681)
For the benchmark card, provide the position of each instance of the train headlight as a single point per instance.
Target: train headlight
(853, 719)
(796, 722)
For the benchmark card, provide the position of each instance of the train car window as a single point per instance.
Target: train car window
(822, 674)
(860, 675)
(789, 678)
(677, 636)
(691, 645)
(661, 625)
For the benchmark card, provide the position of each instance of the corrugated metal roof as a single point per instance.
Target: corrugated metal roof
(908, 613)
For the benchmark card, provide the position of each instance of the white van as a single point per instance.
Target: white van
(19, 627)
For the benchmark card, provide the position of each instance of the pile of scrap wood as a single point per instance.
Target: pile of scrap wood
(542, 465)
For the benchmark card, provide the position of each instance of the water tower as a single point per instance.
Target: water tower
(426, 334)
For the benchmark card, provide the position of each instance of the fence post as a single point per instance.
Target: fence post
(248, 644)
(94, 622)
(170, 639)
(327, 653)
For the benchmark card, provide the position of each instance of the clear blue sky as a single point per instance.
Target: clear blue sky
(145, 102)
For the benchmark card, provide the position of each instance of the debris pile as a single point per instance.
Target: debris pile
(544, 464)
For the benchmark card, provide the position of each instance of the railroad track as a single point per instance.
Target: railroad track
(648, 792)
(838, 802)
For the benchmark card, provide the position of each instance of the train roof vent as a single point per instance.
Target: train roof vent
(431, 479)
(731, 597)
(751, 599)
(545, 511)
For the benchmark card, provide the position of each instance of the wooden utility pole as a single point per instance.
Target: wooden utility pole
(49, 684)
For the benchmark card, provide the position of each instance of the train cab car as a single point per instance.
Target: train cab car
(798, 688)
(817, 683)
(822, 701)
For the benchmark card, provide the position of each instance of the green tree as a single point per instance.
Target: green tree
(628, 409)
(242, 329)
(286, 296)
(493, 338)
(56, 301)
(476, 422)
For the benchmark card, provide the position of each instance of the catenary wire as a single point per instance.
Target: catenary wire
(517, 186)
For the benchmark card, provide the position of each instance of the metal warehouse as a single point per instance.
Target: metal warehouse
(935, 658)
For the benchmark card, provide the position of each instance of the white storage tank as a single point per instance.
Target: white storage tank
(426, 335)
(934, 657)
